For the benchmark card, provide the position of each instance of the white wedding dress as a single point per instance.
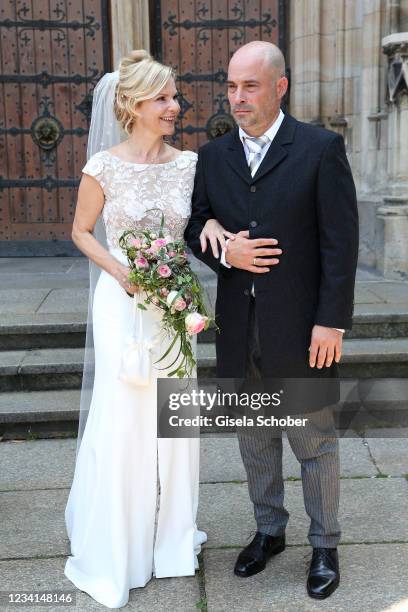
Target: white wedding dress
(131, 511)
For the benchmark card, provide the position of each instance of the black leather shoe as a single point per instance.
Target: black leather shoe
(253, 558)
(324, 574)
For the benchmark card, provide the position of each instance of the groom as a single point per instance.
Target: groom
(285, 288)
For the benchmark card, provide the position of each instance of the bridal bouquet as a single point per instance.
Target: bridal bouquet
(159, 267)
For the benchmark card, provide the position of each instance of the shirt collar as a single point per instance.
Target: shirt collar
(270, 132)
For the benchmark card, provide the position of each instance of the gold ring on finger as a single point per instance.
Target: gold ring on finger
(254, 261)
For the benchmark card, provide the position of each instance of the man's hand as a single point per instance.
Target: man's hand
(252, 254)
(214, 232)
(325, 346)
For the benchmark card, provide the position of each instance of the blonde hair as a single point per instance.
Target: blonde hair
(140, 78)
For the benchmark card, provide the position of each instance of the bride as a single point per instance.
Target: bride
(131, 511)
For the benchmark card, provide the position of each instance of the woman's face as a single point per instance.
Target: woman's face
(160, 113)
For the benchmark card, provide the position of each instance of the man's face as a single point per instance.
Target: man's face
(255, 90)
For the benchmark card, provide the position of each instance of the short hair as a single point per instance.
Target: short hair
(276, 59)
(140, 78)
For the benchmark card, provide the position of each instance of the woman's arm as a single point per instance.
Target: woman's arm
(89, 207)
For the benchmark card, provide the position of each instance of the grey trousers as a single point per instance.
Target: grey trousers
(315, 447)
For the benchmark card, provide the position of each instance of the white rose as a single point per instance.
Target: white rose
(171, 297)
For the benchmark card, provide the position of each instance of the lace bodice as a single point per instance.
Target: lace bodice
(132, 189)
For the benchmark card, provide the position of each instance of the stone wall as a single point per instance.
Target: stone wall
(339, 80)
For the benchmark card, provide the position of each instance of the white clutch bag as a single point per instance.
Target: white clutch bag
(136, 363)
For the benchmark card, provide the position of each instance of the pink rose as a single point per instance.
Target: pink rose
(141, 263)
(172, 253)
(176, 303)
(136, 242)
(159, 243)
(195, 323)
(164, 271)
(179, 304)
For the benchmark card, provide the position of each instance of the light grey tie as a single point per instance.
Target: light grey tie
(255, 146)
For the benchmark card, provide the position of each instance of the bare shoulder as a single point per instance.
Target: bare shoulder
(173, 153)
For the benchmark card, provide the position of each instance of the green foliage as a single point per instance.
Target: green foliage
(145, 258)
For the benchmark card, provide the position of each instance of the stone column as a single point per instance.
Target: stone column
(392, 216)
(305, 60)
(392, 260)
(372, 126)
(338, 121)
(129, 27)
(370, 103)
(395, 46)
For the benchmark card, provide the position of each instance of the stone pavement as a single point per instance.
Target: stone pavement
(34, 485)
(43, 286)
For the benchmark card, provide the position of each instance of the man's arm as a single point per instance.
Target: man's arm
(200, 213)
(338, 234)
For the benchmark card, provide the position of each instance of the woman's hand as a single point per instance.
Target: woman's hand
(214, 232)
(121, 274)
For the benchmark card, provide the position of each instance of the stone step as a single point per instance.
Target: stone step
(54, 413)
(61, 368)
(386, 323)
(41, 369)
(58, 330)
(42, 331)
(374, 358)
(53, 331)
(43, 414)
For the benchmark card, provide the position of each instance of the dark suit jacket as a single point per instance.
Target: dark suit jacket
(303, 195)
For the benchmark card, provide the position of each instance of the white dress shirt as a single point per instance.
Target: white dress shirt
(270, 133)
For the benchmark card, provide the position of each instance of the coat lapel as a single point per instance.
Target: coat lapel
(278, 149)
(235, 156)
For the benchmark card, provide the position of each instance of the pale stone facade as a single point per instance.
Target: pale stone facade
(339, 59)
(340, 54)
(129, 27)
